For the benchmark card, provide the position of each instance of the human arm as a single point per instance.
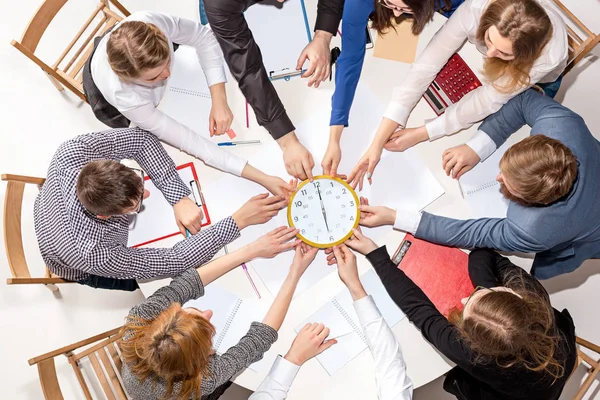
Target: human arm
(419, 310)
(329, 13)
(489, 269)
(390, 369)
(309, 342)
(348, 69)
(495, 233)
(261, 335)
(243, 57)
(174, 133)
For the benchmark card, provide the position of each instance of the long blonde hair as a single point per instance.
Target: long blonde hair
(136, 46)
(528, 27)
(175, 346)
(513, 331)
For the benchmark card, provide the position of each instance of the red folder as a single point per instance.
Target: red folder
(441, 272)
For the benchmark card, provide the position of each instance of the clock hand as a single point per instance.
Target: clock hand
(323, 209)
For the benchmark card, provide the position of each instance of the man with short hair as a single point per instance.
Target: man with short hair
(81, 221)
(552, 180)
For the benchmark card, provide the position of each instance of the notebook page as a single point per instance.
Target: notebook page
(188, 99)
(156, 219)
(222, 303)
(267, 20)
(481, 190)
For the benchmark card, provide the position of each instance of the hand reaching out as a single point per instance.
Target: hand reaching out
(365, 167)
(406, 138)
(458, 160)
(303, 258)
(372, 216)
(258, 210)
(277, 241)
(318, 53)
(188, 215)
(309, 342)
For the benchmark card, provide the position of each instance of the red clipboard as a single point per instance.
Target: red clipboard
(192, 178)
(441, 272)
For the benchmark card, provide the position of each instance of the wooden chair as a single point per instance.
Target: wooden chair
(592, 370)
(578, 47)
(101, 351)
(69, 75)
(13, 240)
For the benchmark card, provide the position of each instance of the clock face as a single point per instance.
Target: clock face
(325, 210)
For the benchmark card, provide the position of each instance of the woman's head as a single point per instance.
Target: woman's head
(176, 346)
(139, 51)
(513, 326)
(515, 33)
(419, 11)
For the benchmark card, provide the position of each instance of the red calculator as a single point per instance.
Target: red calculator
(451, 84)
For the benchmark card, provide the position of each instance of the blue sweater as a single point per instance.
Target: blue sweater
(349, 65)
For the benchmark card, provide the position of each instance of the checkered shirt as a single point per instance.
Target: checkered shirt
(74, 243)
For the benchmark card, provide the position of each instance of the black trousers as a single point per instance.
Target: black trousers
(102, 282)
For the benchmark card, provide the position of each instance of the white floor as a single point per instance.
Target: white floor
(36, 119)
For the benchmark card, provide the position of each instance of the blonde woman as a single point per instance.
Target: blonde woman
(126, 77)
(523, 42)
(167, 349)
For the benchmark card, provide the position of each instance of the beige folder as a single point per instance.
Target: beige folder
(397, 45)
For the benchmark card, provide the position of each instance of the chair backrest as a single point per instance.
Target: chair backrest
(592, 370)
(103, 354)
(13, 238)
(579, 46)
(69, 73)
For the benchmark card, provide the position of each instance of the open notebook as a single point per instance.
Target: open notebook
(339, 316)
(481, 190)
(188, 99)
(231, 318)
(156, 220)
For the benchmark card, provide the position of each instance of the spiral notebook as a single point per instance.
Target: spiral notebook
(231, 318)
(188, 99)
(341, 319)
(481, 190)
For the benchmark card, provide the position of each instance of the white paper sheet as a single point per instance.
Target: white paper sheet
(339, 316)
(481, 190)
(280, 31)
(231, 318)
(156, 219)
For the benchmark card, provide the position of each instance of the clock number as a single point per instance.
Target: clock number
(337, 197)
(343, 206)
(298, 204)
(351, 218)
(351, 203)
(328, 192)
(343, 216)
(331, 184)
(295, 219)
(310, 197)
(303, 192)
(303, 231)
(343, 191)
(316, 184)
(305, 206)
(331, 238)
(305, 216)
(338, 225)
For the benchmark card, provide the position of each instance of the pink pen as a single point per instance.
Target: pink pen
(250, 279)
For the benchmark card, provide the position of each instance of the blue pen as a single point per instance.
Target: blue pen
(238, 142)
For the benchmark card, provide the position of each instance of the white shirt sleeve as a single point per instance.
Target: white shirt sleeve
(172, 132)
(482, 144)
(191, 33)
(390, 369)
(444, 43)
(277, 384)
(407, 221)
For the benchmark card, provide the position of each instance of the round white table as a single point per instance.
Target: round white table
(356, 379)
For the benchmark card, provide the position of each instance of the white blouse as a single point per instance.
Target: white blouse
(138, 101)
(484, 100)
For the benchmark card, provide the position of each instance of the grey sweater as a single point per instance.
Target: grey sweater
(250, 348)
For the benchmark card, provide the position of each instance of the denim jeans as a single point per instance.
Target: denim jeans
(551, 88)
(102, 282)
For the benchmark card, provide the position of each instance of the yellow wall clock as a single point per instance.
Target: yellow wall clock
(325, 210)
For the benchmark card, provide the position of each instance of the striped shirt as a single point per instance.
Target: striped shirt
(74, 243)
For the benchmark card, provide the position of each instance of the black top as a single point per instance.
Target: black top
(483, 380)
(245, 62)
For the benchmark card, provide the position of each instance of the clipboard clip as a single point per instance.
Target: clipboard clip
(197, 193)
(285, 73)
